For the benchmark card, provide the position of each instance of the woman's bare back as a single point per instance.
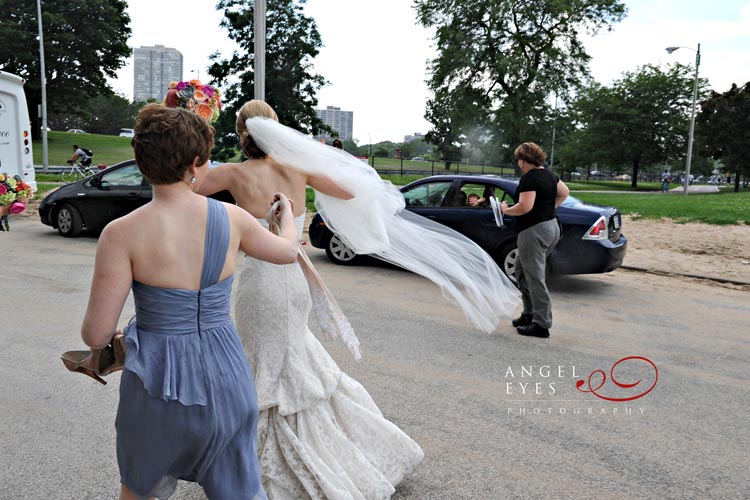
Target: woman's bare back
(256, 181)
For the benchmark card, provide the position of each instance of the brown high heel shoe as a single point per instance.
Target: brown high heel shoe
(97, 363)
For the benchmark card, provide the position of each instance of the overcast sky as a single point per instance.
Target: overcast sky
(375, 54)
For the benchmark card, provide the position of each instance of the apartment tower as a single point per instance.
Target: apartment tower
(339, 121)
(154, 68)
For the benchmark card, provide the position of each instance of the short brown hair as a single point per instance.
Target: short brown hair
(167, 140)
(251, 109)
(530, 152)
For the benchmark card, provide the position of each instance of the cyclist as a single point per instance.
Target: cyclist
(80, 154)
(665, 179)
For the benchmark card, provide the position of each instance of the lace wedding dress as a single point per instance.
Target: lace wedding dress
(320, 434)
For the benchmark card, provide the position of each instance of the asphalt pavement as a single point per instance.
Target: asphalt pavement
(499, 416)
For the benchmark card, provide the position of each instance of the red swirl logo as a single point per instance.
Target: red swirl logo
(603, 380)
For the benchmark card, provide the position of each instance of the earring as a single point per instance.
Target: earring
(192, 180)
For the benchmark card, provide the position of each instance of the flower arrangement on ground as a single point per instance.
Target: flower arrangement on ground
(14, 194)
(202, 99)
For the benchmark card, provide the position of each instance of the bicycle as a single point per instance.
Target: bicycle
(76, 172)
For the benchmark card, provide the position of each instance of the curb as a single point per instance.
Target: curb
(696, 276)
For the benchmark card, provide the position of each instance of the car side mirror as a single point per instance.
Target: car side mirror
(96, 181)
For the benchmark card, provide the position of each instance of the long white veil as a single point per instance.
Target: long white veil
(374, 222)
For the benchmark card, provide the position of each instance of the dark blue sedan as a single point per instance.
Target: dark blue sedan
(592, 238)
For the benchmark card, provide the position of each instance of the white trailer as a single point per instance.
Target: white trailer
(15, 130)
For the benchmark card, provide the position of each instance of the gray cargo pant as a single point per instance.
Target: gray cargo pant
(535, 244)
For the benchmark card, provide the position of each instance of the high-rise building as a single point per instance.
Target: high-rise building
(154, 68)
(339, 121)
(410, 138)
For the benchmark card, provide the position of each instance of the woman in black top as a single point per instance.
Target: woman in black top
(540, 192)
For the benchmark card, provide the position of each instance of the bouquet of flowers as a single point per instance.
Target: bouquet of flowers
(202, 99)
(14, 193)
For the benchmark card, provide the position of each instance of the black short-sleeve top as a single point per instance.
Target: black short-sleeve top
(544, 183)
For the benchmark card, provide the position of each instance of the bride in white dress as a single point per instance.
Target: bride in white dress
(320, 435)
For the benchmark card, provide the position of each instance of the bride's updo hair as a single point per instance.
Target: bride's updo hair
(251, 109)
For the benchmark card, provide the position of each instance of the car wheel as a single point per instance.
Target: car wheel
(69, 221)
(508, 260)
(339, 253)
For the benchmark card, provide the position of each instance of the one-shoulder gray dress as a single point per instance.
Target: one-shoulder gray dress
(188, 404)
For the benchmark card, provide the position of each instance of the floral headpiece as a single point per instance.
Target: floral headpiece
(14, 192)
(202, 99)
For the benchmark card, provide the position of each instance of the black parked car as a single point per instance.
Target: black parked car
(93, 202)
(592, 239)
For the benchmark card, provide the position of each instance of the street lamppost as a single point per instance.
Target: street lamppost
(554, 126)
(259, 47)
(45, 163)
(692, 115)
(372, 162)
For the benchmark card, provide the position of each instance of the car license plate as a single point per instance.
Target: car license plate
(616, 222)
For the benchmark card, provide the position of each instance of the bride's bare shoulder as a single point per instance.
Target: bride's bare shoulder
(285, 171)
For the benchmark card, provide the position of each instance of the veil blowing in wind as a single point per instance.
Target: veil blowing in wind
(375, 222)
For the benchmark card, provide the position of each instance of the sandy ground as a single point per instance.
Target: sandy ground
(693, 249)
(660, 246)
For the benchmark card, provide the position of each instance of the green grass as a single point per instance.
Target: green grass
(722, 208)
(401, 180)
(613, 186)
(310, 200)
(47, 178)
(439, 167)
(108, 149)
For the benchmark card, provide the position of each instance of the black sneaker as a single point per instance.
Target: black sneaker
(523, 320)
(533, 330)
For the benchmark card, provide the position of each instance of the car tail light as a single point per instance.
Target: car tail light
(598, 231)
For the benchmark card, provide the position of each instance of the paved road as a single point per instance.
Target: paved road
(442, 382)
(693, 189)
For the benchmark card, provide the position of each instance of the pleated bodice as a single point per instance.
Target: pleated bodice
(172, 311)
(166, 341)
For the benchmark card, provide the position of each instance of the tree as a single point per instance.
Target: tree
(292, 41)
(499, 60)
(85, 41)
(103, 114)
(641, 119)
(446, 128)
(723, 126)
(110, 113)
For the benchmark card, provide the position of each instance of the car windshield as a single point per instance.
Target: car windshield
(126, 176)
(430, 194)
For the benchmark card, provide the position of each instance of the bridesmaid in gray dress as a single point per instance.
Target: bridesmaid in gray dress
(188, 403)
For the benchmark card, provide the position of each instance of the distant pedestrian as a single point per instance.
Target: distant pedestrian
(4, 211)
(337, 144)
